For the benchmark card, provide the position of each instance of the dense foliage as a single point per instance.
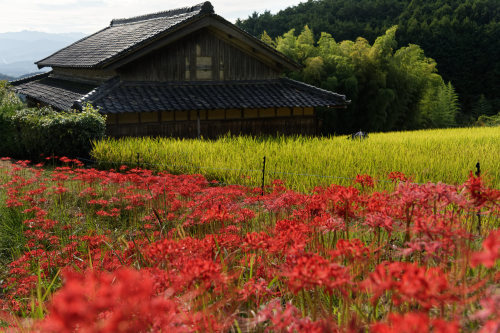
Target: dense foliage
(303, 163)
(389, 88)
(30, 132)
(489, 120)
(462, 36)
(84, 250)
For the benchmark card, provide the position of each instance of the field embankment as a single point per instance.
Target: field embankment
(428, 155)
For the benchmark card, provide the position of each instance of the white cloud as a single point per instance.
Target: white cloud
(88, 16)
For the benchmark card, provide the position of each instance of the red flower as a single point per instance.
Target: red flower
(414, 323)
(490, 253)
(311, 270)
(120, 302)
(364, 181)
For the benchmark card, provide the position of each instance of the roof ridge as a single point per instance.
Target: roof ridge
(205, 7)
(312, 88)
(201, 83)
(97, 92)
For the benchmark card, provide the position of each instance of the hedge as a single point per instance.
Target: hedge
(30, 132)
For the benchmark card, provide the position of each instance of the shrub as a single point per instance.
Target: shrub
(485, 120)
(30, 132)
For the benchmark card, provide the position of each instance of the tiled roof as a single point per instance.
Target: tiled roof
(123, 36)
(29, 78)
(116, 97)
(61, 94)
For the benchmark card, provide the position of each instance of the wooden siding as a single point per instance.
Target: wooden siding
(216, 128)
(83, 74)
(213, 123)
(199, 56)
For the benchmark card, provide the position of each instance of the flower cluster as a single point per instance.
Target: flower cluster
(131, 250)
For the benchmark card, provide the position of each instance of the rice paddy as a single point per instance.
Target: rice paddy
(445, 155)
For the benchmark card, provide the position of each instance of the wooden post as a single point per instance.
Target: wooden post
(263, 173)
(478, 214)
(198, 125)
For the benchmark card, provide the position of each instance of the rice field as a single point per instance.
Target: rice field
(446, 155)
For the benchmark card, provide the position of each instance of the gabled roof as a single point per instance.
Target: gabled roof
(124, 37)
(121, 36)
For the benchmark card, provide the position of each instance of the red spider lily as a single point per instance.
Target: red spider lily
(257, 288)
(379, 220)
(397, 176)
(257, 241)
(326, 223)
(311, 271)
(490, 312)
(290, 320)
(215, 252)
(351, 249)
(410, 283)
(100, 202)
(120, 302)
(59, 189)
(481, 196)
(491, 251)
(364, 181)
(283, 200)
(114, 212)
(414, 323)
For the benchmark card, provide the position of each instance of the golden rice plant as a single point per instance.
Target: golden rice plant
(446, 155)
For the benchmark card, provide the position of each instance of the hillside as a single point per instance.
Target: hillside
(462, 36)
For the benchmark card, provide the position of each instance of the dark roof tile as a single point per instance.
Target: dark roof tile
(155, 96)
(61, 94)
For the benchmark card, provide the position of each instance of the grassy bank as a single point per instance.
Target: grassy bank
(428, 155)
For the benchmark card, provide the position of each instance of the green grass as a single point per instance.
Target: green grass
(12, 239)
(427, 155)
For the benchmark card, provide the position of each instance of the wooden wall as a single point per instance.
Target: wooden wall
(83, 74)
(214, 123)
(201, 56)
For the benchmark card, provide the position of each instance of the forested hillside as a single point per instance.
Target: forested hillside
(462, 36)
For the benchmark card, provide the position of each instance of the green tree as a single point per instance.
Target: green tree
(389, 88)
(463, 36)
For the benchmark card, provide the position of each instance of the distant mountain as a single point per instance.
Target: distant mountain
(19, 50)
(5, 77)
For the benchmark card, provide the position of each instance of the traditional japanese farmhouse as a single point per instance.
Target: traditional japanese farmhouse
(182, 72)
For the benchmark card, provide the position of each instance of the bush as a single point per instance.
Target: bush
(485, 120)
(30, 132)
(9, 104)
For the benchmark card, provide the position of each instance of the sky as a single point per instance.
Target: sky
(88, 16)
